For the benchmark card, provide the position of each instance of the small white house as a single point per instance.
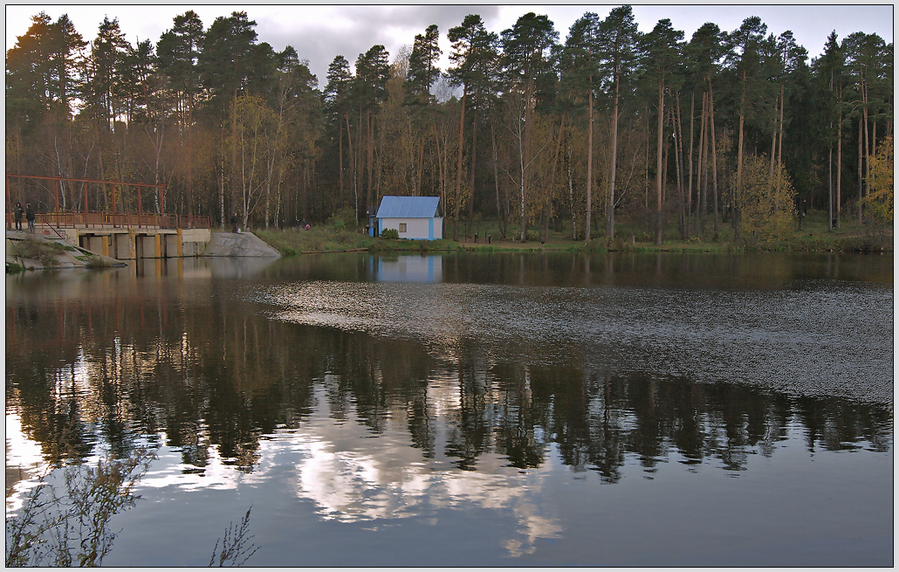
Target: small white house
(414, 218)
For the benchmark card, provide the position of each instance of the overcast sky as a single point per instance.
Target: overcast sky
(321, 32)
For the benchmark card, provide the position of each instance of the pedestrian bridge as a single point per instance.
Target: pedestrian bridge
(120, 235)
(128, 236)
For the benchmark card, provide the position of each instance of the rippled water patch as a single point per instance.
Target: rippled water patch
(803, 341)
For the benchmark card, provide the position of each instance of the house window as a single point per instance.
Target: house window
(402, 227)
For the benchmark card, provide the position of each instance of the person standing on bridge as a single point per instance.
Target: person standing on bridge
(29, 216)
(234, 223)
(17, 214)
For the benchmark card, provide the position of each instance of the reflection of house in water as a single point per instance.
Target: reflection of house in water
(409, 269)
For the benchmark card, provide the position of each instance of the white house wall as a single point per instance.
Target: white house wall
(416, 228)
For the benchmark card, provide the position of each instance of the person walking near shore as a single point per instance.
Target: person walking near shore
(17, 214)
(29, 216)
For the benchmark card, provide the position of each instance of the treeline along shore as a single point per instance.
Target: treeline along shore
(600, 136)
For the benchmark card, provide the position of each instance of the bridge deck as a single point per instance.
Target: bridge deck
(100, 220)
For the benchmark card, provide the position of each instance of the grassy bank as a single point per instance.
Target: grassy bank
(815, 236)
(290, 242)
(318, 239)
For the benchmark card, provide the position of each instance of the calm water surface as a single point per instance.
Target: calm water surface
(488, 409)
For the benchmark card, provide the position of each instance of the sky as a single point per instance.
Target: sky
(322, 31)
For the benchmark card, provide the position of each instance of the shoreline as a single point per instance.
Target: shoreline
(324, 241)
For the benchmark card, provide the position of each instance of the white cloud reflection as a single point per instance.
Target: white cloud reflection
(390, 480)
(24, 462)
(353, 476)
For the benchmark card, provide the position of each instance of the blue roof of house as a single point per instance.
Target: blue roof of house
(409, 207)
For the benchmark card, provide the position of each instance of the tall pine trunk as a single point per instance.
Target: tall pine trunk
(190, 163)
(349, 140)
(660, 145)
(524, 157)
(552, 182)
(861, 135)
(780, 139)
(370, 149)
(459, 166)
(690, 164)
(678, 161)
(571, 193)
(233, 154)
(714, 149)
(474, 155)
(739, 186)
(588, 223)
(340, 190)
(500, 218)
(839, 167)
(610, 207)
(701, 176)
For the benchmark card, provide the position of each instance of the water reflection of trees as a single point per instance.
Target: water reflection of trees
(222, 378)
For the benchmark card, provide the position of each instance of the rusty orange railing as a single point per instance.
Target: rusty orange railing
(85, 218)
(99, 220)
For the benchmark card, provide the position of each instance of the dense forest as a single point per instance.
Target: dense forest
(729, 128)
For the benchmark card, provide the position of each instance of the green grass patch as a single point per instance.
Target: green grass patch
(44, 251)
(291, 242)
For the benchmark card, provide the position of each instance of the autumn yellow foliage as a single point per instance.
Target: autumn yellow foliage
(878, 203)
(767, 205)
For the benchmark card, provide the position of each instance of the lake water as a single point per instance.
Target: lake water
(493, 409)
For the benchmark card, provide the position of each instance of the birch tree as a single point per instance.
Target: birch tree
(526, 47)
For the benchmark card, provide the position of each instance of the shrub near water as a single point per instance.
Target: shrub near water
(343, 219)
(72, 527)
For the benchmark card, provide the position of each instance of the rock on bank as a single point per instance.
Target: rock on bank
(242, 244)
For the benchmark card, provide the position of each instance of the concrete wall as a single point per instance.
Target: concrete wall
(123, 246)
(148, 246)
(148, 243)
(98, 244)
